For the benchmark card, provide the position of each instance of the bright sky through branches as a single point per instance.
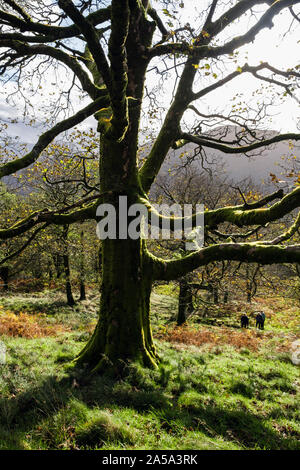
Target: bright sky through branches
(279, 46)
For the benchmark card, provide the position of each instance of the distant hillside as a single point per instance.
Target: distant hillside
(238, 167)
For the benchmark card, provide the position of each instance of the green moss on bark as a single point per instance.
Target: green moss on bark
(123, 332)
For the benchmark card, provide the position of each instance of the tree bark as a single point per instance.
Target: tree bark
(58, 263)
(185, 301)
(82, 268)
(216, 295)
(82, 290)
(66, 263)
(123, 332)
(4, 273)
(70, 298)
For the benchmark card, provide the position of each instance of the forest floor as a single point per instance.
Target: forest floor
(217, 387)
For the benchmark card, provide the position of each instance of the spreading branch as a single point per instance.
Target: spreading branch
(24, 50)
(248, 252)
(46, 138)
(52, 33)
(242, 215)
(199, 50)
(206, 142)
(88, 30)
(57, 217)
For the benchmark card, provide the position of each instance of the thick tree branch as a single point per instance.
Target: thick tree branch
(242, 215)
(154, 15)
(186, 138)
(18, 9)
(46, 138)
(26, 50)
(118, 60)
(254, 214)
(206, 51)
(54, 217)
(248, 252)
(89, 32)
(266, 21)
(241, 7)
(208, 21)
(53, 33)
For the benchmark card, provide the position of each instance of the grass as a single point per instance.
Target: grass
(216, 387)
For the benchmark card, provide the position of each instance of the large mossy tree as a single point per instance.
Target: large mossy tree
(109, 47)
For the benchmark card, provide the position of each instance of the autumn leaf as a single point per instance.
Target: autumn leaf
(274, 178)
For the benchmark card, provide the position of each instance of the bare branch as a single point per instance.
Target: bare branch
(249, 252)
(24, 50)
(25, 245)
(89, 32)
(18, 9)
(53, 33)
(185, 138)
(45, 139)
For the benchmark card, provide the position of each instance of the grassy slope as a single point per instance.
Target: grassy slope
(217, 387)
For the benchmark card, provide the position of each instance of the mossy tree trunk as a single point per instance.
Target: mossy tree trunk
(123, 332)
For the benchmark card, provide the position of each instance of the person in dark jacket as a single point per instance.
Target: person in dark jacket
(260, 320)
(244, 321)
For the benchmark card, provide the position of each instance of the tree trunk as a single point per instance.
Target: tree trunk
(185, 301)
(123, 332)
(82, 268)
(50, 274)
(70, 298)
(66, 264)
(4, 273)
(82, 291)
(216, 295)
(58, 263)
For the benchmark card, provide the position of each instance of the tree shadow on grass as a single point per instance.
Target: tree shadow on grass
(23, 413)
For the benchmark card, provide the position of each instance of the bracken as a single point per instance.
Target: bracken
(26, 326)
